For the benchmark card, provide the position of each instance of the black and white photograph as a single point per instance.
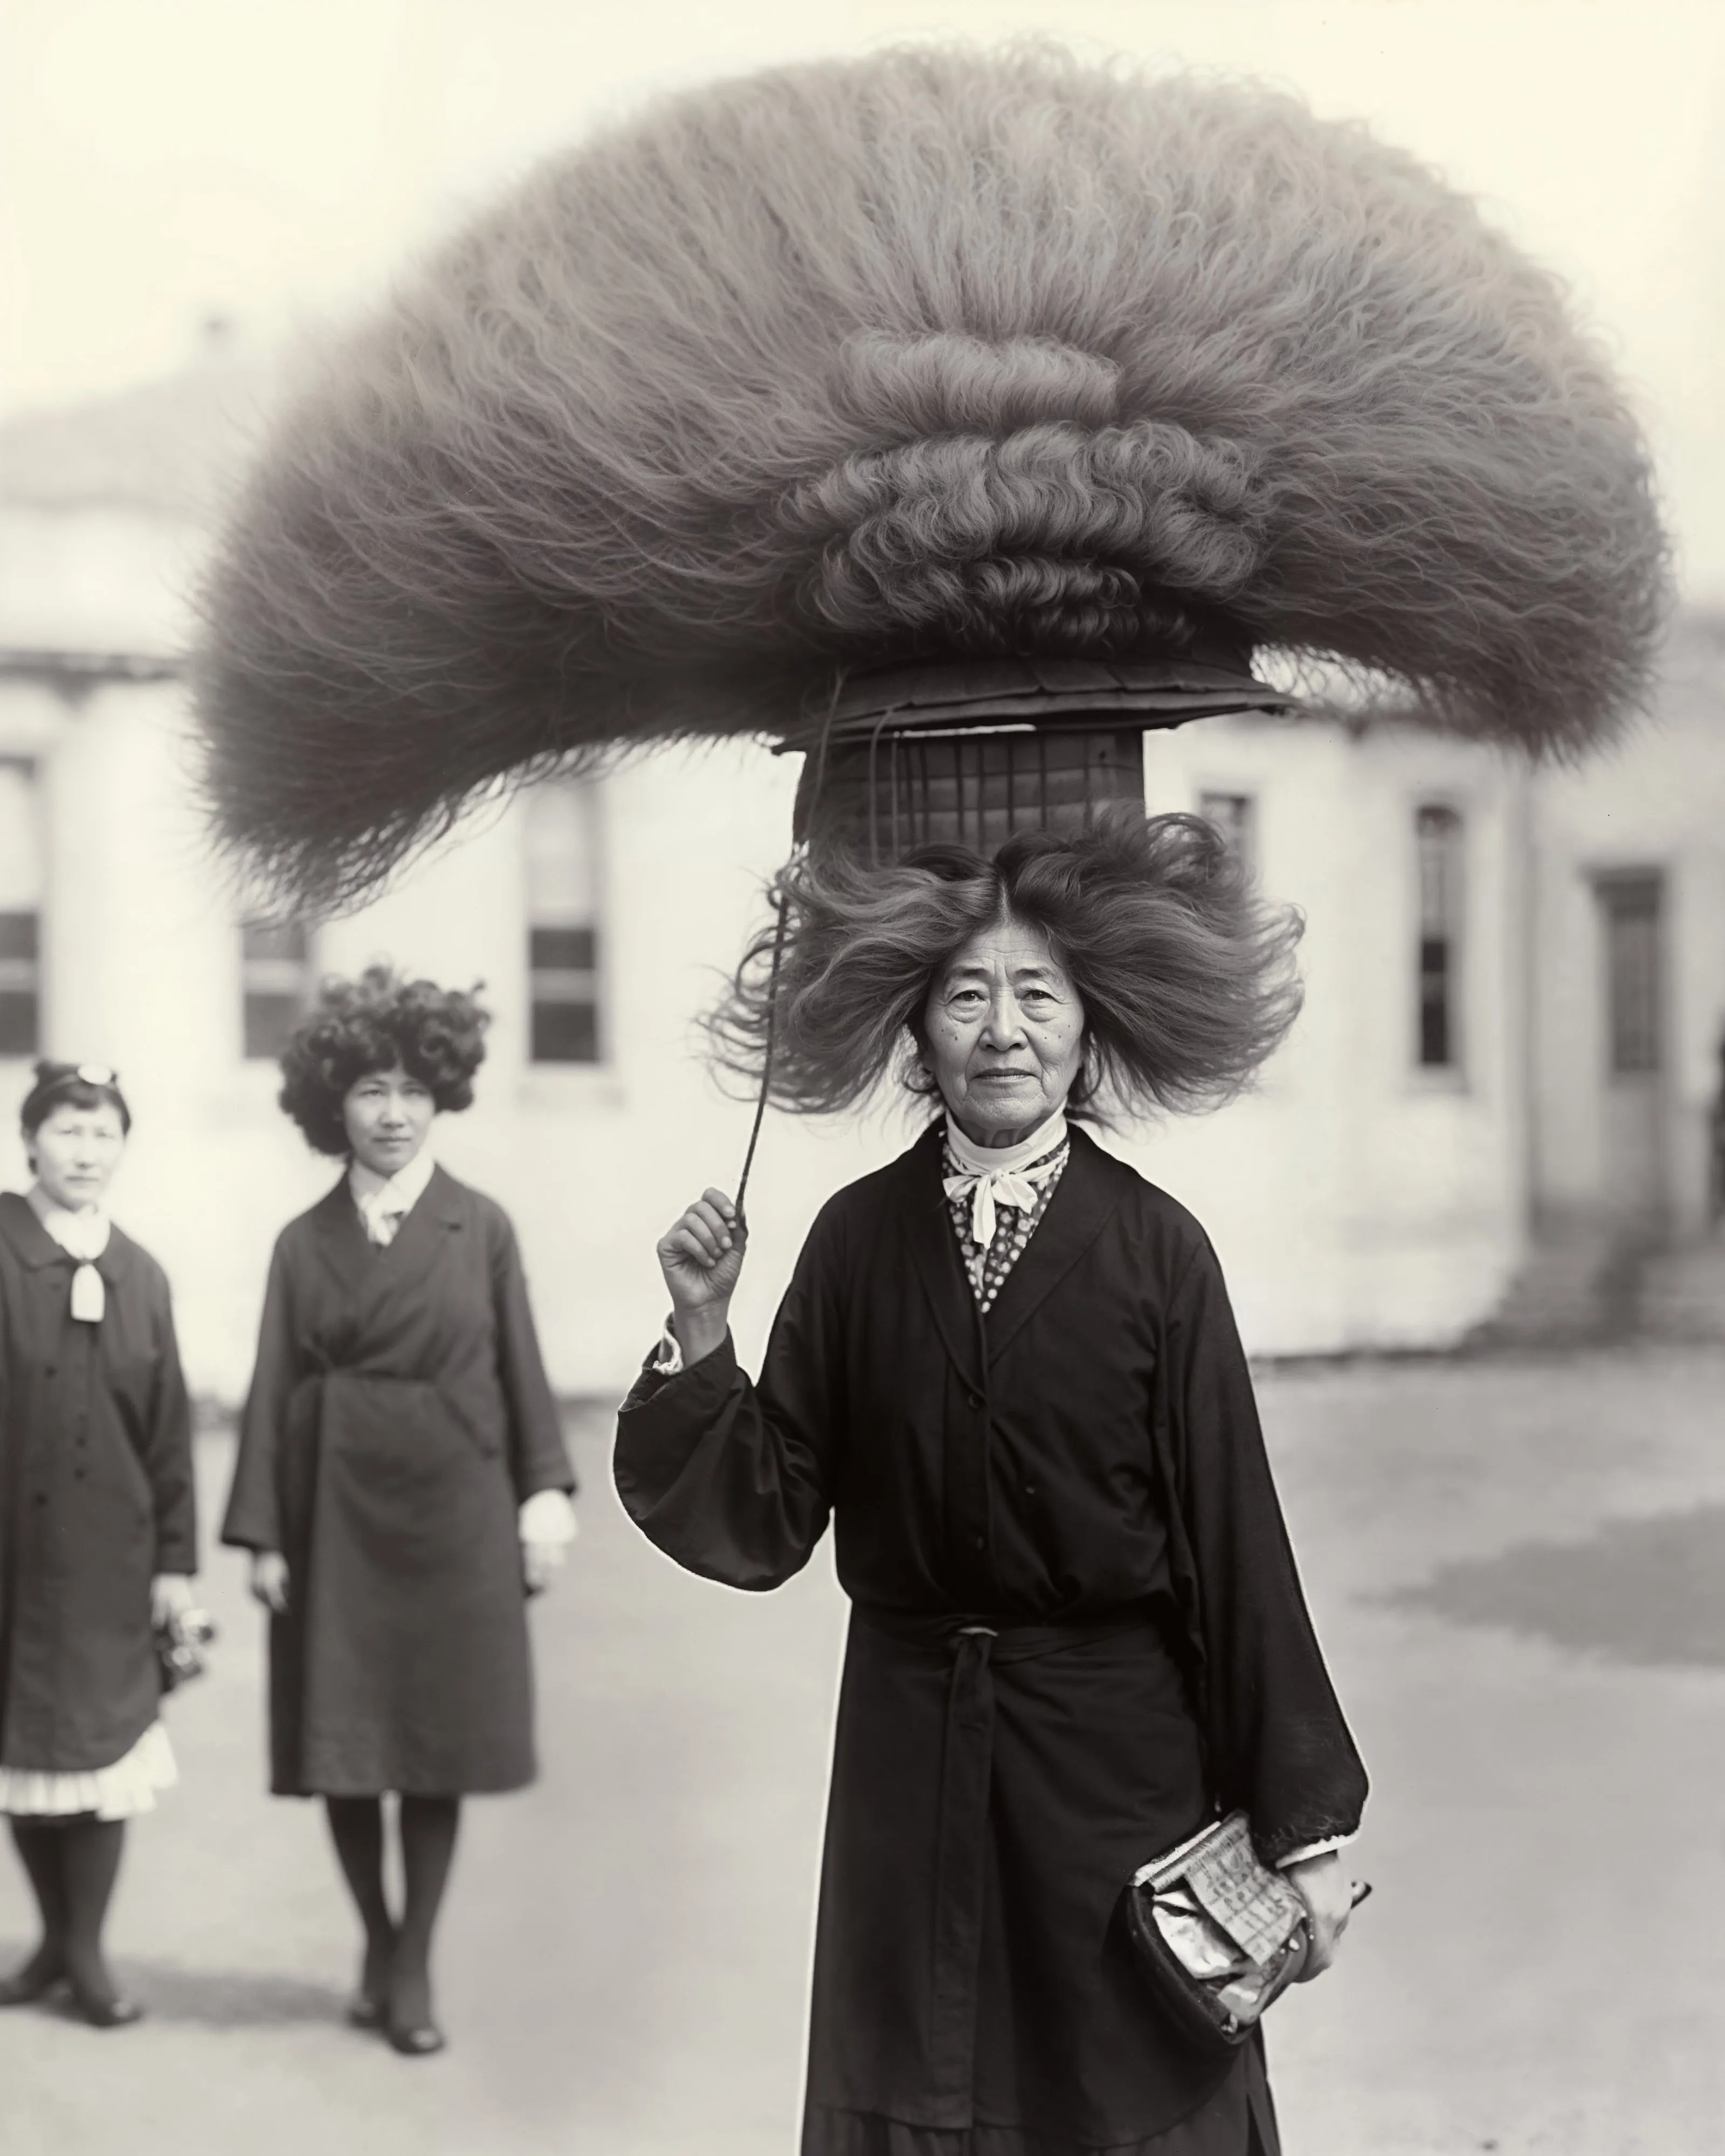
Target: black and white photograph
(862, 1078)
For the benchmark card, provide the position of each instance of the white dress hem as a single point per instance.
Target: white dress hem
(120, 1792)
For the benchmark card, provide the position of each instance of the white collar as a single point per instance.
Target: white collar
(399, 1193)
(1005, 1160)
(83, 1235)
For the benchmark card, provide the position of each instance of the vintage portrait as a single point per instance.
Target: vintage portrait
(862, 983)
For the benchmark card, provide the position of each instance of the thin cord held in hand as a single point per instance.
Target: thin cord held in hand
(748, 1158)
(778, 936)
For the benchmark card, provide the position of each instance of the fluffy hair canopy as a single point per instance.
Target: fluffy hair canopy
(1186, 974)
(935, 352)
(377, 1022)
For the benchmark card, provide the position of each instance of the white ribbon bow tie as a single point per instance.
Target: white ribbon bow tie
(382, 1211)
(82, 1236)
(1017, 1187)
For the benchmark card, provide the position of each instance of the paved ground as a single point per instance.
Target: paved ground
(1518, 1569)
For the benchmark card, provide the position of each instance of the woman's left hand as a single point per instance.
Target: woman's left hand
(171, 1596)
(546, 1527)
(1322, 1884)
(540, 1563)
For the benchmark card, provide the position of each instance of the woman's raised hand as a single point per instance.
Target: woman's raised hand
(701, 1254)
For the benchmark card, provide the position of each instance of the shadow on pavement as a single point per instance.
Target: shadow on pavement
(1648, 1592)
(208, 1998)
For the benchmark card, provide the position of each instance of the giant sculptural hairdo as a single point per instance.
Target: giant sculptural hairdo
(1070, 387)
(933, 353)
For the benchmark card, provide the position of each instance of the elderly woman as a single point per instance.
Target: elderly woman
(98, 1535)
(1006, 1369)
(401, 1480)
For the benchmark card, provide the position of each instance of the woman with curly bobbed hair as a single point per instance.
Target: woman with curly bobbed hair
(1005, 1368)
(402, 1482)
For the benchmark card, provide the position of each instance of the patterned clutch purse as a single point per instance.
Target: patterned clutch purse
(1218, 1935)
(179, 1647)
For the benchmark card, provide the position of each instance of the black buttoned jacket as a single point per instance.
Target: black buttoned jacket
(96, 1496)
(1088, 1452)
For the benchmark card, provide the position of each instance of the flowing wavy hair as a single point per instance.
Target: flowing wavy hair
(1185, 971)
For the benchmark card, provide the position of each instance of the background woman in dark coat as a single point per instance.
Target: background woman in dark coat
(98, 1536)
(401, 1480)
(1007, 1367)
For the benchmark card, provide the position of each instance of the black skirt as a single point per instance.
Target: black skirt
(975, 1992)
(1239, 2120)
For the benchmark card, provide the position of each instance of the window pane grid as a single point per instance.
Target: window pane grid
(21, 894)
(562, 930)
(276, 982)
(1438, 838)
(1635, 1015)
(1234, 816)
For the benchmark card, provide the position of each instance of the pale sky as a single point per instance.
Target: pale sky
(162, 162)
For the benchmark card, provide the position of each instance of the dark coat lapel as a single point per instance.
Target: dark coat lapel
(364, 1271)
(116, 1261)
(934, 1253)
(342, 1245)
(25, 1233)
(1083, 1200)
(420, 1240)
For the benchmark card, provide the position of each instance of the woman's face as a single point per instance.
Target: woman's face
(74, 1152)
(386, 1115)
(1004, 1029)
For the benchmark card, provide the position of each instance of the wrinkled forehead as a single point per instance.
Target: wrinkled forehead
(1007, 949)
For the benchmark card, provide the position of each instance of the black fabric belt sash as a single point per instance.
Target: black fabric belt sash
(975, 1649)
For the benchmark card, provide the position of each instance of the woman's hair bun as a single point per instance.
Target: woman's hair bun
(57, 1084)
(1007, 508)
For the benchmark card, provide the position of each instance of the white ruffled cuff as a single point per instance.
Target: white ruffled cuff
(1327, 1847)
(668, 1356)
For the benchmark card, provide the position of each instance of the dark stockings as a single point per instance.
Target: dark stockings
(38, 1848)
(72, 1866)
(397, 1974)
(356, 1828)
(427, 1849)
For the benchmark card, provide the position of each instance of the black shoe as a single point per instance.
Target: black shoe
(419, 2043)
(364, 2012)
(108, 2012)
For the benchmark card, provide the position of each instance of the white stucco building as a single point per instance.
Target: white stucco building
(1516, 981)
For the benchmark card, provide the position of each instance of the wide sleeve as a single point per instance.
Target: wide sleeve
(167, 1449)
(538, 1459)
(254, 1518)
(731, 1479)
(1279, 1747)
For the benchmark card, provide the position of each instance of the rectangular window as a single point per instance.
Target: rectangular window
(1438, 832)
(21, 890)
(276, 983)
(563, 926)
(1235, 815)
(1631, 909)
